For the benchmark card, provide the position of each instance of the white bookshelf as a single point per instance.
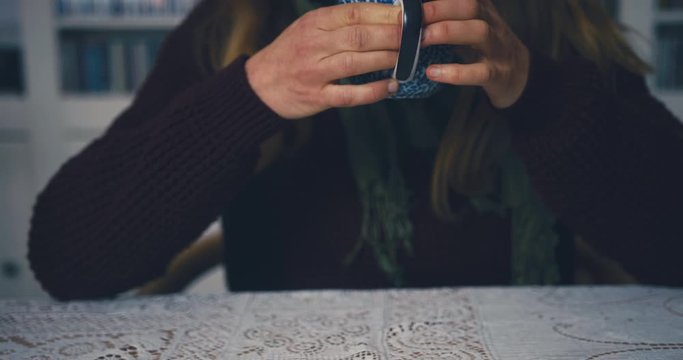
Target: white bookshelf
(92, 111)
(42, 127)
(668, 16)
(13, 111)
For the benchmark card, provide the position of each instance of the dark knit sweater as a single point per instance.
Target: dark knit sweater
(608, 161)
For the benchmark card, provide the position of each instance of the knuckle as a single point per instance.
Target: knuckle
(389, 58)
(309, 74)
(389, 16)
(307, 19)
(429, 9)
(345, 98)
(327, 99)
(470, 8)
(314, 99)
(352, 15)
(396, 36)
(456, 75)
(357, 38)
(442, 31)
(348, 63)
(374, 94)
(482, 29)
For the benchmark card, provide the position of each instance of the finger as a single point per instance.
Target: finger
(440, 10)
(479, 74)
(366, 38)
(347, 64)
(467, 54)
(338, 16)
(355, 95)
(474, 33)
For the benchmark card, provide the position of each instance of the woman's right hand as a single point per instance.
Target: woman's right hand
(296, 75)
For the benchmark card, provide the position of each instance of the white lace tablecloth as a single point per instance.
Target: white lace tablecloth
(488, 323)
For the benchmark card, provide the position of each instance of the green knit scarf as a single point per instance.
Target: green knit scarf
(376, 137)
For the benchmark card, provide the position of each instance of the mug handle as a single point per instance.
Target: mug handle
(411, 37)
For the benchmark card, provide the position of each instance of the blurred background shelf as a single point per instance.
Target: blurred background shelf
(13, 110)
(92, 111)
(67, 69)
(107, 61)
(669, 16)
(118, 22)
(668, 49)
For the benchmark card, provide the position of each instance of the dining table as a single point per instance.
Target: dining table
(479, 323)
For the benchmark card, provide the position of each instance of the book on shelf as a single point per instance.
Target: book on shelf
(102, 62)
(669, 71)
(117, 67)
(661, 66)
(11, 72)
(69, 66)
(678, 66)
(104, 8)
(138, 64)
(94, 66)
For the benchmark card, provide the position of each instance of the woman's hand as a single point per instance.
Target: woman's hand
(502, 69)
(296, 75)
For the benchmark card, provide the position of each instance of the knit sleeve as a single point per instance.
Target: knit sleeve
(115, 214)
(607, 158)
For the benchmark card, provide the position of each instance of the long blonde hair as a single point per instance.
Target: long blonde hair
(476, 138)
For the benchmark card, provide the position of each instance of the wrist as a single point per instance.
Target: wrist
(259, 84)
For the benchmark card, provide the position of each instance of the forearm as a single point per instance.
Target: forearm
(608, 162)
(113, 216)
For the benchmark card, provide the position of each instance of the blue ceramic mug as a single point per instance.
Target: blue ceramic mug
(419, 86)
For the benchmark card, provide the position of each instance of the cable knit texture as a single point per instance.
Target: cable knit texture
(608, 160)
(610, 166)
(114, 215)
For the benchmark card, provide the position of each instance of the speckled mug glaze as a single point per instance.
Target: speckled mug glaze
(420, 86)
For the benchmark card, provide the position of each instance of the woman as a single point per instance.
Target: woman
(554, 136)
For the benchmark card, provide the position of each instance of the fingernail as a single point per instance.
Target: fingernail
(425, 35)
(393, 87)
(435, 71)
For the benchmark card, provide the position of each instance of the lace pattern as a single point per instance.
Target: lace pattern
(477, 324)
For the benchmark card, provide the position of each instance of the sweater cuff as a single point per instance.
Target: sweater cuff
(236, 115)
(533, 111)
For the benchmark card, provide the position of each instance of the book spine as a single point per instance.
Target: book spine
(95, 61)
(138, 64)
(668, 63)
(153, 46)
(677, 59)
(61, 7)
(95, 66)
(116, 8)
(10, 70)
(130, 8)
(69, 66)
(117, 66)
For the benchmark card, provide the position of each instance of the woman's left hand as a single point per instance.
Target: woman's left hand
(502, 67)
